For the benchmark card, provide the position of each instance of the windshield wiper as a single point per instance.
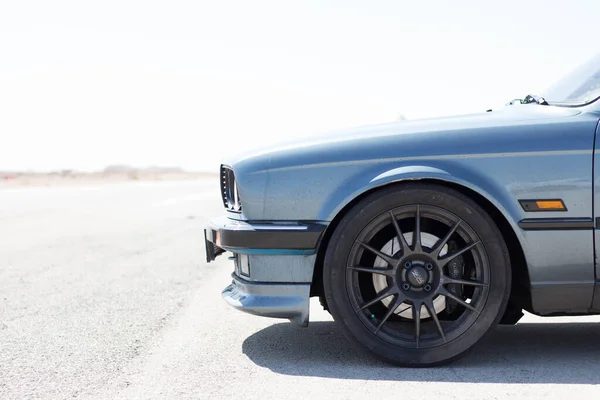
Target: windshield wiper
(529, 99)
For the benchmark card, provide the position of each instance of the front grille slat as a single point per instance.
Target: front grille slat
(229, 190)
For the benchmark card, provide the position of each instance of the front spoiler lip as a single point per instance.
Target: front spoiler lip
(225, 234)
(274, 300)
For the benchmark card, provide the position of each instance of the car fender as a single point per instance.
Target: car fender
(453, 173)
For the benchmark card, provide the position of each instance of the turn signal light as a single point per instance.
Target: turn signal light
(550, 204)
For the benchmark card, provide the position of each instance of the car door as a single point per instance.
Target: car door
(596, 181)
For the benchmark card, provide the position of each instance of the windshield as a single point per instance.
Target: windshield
(579, 87)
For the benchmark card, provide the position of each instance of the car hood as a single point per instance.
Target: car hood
(433, 136)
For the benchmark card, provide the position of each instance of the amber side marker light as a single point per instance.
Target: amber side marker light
(543, 205)
(550, 204)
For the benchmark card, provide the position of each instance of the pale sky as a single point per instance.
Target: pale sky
(84, 84)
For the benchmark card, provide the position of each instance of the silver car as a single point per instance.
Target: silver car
(420, 236)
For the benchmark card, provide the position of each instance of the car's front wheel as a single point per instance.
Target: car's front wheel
(416, 274)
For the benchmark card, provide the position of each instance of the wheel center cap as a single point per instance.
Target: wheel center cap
(417, 276)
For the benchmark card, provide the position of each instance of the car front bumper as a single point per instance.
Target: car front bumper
(273, 265)
(275, 300)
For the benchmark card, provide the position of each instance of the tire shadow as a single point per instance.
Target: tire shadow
(524, 353)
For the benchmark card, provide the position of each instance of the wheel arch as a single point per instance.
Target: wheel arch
(520, 293)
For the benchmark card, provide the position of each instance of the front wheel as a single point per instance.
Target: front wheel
(416, 274)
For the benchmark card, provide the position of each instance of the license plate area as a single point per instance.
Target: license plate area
(212, 251)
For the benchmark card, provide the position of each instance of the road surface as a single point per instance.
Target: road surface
(105, 294)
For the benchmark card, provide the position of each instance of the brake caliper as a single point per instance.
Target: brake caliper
(455, 271)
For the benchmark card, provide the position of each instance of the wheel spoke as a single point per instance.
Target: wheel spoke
(372, 270)
(382, 295)
(401, 238)
(448, 280)
(396, 303)
(434, 317)
(460, 301)
(438, 248)
(387, 258)
(417, 319)
(417, 233)
(445, 260)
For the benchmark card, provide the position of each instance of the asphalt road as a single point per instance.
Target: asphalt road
(104, 293)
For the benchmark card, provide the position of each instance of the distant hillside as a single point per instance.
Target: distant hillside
(112, 173)
(127, 169)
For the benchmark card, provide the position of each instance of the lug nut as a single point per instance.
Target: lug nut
(407, 264)
(427, 288)
(406, 286)
(429, 266)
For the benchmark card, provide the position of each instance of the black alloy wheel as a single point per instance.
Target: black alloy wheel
(416, 274)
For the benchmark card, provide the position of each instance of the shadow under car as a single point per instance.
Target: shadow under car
(524, 353)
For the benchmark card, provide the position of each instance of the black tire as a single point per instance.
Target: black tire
(347, 289)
